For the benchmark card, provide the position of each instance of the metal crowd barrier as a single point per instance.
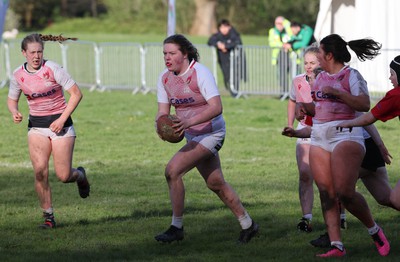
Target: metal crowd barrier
(136, 67)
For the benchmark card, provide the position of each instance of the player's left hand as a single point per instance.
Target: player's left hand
(57, 126)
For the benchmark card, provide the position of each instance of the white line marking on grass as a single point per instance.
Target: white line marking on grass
(16, 165)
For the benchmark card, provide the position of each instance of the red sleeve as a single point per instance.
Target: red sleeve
(388, 107)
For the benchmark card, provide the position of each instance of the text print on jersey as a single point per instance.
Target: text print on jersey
(181, 101)
(37, 95)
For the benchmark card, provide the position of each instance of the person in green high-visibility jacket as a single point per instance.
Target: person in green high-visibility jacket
(301, 38)
(280, 34)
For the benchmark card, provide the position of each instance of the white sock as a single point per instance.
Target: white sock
(373, 230)
(343, 216)
(245, 220)
(48, 210)
(308, 216)
(337, 244)
(177, 221)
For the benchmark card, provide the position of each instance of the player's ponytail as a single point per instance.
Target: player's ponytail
(56, 38)
(39, 38)
(363, 48)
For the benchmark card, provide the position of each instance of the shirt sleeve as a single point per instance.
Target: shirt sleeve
(387, 108)
(292, 92)
(14, 91)
(61, 75)
(162, 96)
(358, 85)
(302, 89)
(205, 79)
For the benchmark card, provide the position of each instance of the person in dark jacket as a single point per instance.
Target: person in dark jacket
(225, 41)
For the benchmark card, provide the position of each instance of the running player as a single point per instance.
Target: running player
(190, 87)
(335, 157)
(50, 127)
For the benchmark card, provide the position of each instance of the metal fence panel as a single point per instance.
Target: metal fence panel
(80, 61)
(120, 66)
(153, 65)
(3, 65)
(254, 73)
(137, 67)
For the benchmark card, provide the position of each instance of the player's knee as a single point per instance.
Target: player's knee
(395, 202)
(384, 201)
(215, 186)
(327, 201)
(346, 198)
(305, 177)
(171, 172)
(41, 174)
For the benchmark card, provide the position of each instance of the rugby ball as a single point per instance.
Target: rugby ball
(166, 131)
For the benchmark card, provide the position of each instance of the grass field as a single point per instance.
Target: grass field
(129, 201)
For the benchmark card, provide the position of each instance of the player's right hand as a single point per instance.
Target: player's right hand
(288, 131)
(17, 117)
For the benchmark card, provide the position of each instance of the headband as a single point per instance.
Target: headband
(395, 65)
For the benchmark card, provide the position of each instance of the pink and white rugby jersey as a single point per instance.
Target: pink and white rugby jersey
(301, 92)
(330, 108)
(302, 89)
(43, 88)
(189, 93)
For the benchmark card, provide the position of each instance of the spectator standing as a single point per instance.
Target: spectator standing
(277, 37)
(225, 41)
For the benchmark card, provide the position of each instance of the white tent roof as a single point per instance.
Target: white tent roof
(355, 19)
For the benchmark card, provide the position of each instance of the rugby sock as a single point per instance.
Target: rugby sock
(48, 210)
(337, 244)
(373, 230)
(343, 216)
(308, 216)
(245, 220)
(177, 221)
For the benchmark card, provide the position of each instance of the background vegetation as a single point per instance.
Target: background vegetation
(251, 17)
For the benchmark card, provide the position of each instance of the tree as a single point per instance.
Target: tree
(204, 19)
(34, 14)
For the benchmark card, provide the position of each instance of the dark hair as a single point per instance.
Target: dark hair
(224, 22)
(364, 48)
(317, 70)
(32, 38)
(185, 46)
(295, 24)
(39, 38)
(395, 65)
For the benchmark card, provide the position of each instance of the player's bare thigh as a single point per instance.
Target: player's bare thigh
(62, 156)
(39, 151)
(188, 157)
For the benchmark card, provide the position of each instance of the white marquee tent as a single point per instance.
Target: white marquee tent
(355, 19)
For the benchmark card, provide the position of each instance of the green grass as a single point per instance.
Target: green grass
(129, 203)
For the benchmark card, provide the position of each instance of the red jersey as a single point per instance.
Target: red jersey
(388, 107)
